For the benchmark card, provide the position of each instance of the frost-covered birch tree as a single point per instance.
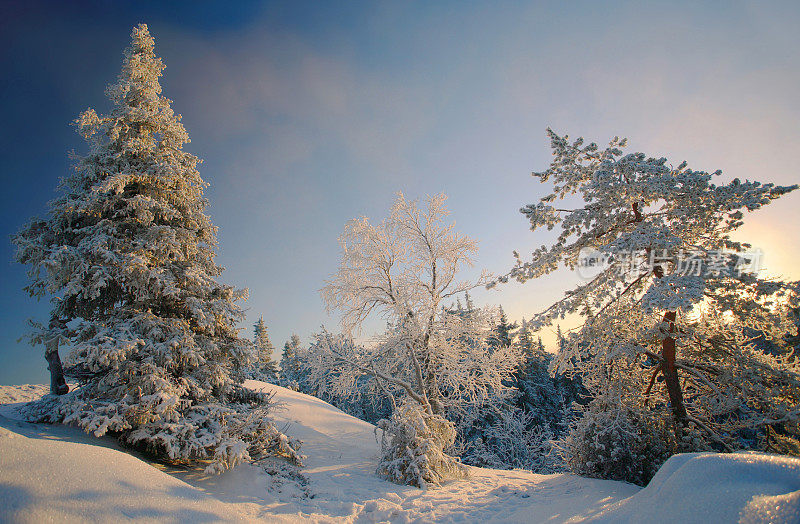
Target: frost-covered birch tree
(672, 296)
(404, 269)
(434, 362)
(127, 253)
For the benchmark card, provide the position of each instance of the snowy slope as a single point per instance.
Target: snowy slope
(342, 455)
(58, 472)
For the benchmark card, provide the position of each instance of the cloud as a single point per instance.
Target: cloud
(275, 98)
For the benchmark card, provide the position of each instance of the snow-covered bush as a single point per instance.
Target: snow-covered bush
(513, 440)
(127, 255)
(614, 442)
(412, 448)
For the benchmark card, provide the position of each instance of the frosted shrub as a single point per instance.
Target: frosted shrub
(513, 440)
(413, 445)
(613, 442)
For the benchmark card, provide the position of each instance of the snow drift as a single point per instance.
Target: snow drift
(49, 480)
(712, 487)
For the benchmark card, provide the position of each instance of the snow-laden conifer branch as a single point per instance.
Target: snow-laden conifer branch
(715, 335)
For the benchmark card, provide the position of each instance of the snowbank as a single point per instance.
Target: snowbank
(49, 480)
(711, 487)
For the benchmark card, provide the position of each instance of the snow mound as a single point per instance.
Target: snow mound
(43, 480)
(712, 487)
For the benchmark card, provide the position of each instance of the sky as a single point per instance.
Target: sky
(309, 114)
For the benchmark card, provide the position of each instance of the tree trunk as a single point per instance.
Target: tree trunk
(432, 385)
(668, 353)
(58, 386)
(431, 367)
(671, 373)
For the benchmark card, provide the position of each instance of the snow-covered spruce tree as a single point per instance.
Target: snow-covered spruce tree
(290, 368)
(518, 432)
(503, 330)
(670, 301)
(128, 255)
(527, 345)
(264, 368)
(405, 268)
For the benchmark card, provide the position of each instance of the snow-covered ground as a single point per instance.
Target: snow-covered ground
(59, 473)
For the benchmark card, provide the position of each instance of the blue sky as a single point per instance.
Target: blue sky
(309, 114)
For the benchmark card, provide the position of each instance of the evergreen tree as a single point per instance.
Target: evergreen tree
(262, 342)
(669, 341)
(128, 254)
(503, 330)
(290, 368)
(469, 306)
(525, 341)
(560, 341)
(265, 368)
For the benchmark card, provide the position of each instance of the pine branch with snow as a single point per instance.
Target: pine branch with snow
(661, 337)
